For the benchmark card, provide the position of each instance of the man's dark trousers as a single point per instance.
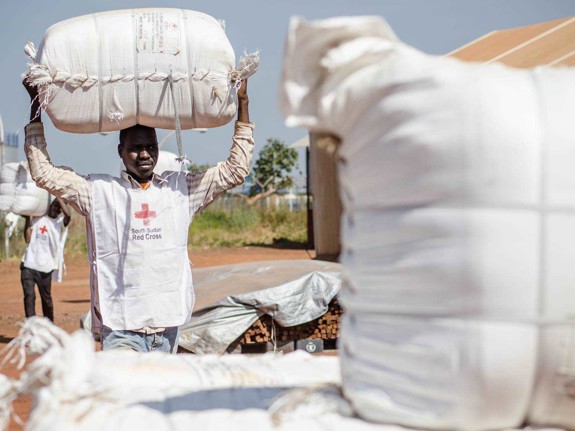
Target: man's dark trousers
(31, 277)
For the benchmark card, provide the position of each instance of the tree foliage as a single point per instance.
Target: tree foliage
(272, 170)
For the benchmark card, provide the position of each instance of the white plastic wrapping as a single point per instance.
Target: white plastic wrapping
(19, 193)
(110, 70)
(459, 214)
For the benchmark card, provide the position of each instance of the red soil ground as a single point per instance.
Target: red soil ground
(72, 296)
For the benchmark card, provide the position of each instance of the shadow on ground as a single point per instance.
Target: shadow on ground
(283, 243)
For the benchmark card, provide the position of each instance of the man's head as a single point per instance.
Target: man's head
(54, 209)
(138, 149)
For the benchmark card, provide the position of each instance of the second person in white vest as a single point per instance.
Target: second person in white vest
(137, 224)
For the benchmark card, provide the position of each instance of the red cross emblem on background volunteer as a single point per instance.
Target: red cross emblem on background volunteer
(43, 230)
(145, 214)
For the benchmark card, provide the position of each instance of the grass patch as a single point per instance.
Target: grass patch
(246, 226)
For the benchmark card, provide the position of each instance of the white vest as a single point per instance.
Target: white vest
(45, 242)
(141, 252)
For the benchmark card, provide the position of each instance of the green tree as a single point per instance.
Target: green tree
(272, 170)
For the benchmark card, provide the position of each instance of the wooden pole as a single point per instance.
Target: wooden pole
(327, 207)
(308, 202)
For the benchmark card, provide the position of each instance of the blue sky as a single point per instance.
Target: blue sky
(433, 26)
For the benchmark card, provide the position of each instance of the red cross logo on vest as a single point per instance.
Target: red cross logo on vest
(43, 230)
(145, 214)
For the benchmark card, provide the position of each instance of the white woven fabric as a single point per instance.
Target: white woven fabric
(19, 193)
(108, 71)
(457, 235)
(75, 388)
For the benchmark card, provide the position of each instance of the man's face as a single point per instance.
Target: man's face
(54, 209)
(139, 152)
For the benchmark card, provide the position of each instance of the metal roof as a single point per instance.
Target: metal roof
(545, 44)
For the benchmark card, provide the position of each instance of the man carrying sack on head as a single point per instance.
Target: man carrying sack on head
(140, 275)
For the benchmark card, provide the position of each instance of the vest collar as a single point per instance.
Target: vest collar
(156, 180)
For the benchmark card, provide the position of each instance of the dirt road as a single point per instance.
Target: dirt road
(72, 296)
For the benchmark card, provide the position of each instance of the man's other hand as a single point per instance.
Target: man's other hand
(243, 102)
(34, 100)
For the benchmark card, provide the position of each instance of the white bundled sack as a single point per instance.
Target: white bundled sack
(76, 388)
(19, 193)
(107, 71)
(457, 235)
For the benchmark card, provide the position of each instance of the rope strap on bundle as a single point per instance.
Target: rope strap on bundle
(39, 74)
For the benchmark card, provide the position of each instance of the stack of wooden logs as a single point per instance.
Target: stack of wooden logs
(325, 327)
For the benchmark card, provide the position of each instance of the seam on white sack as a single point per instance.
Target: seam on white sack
(136, 86)
(99, 80)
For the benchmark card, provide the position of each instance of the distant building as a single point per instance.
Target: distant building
(10, 148)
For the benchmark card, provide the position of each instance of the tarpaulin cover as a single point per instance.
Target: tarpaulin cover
(458, 190)
(230, 298)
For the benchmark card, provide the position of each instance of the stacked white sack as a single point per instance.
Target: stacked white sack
(76, 388)
(19, 193)
(457, 233)
(107, 71)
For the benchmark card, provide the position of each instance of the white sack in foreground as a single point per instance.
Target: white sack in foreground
(19, 193)
(75, 388)
(458, 191)
(107, 71)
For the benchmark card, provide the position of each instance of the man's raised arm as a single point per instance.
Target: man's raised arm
(61, 182)
(206, 186)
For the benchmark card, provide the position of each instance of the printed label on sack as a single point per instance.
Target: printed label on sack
(157, 32)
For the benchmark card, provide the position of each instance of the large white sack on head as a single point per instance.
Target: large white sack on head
(19, 193)
(108, 71)
(458, 196)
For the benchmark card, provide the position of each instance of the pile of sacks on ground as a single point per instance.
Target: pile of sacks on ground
(19, 193)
